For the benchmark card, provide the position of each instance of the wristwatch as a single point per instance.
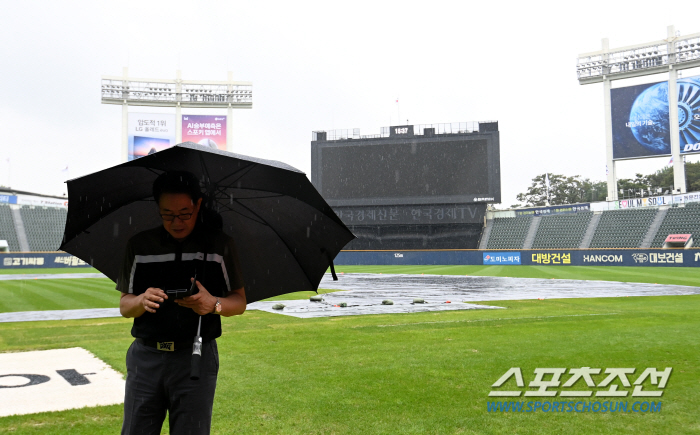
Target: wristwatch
(217, 307)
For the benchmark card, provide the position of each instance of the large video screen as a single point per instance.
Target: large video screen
(144, 146)
(207, 130)
(149, 133)
(640, 119)
(405, 171)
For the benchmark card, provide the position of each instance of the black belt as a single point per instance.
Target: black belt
(166, 346)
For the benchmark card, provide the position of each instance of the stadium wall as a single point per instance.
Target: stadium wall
(561, 257)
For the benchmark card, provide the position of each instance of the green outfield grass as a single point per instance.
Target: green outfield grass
(75, 294)
(57, 294)
(71, 294)
(422, 373)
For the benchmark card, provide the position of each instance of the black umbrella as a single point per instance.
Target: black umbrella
(286, 234)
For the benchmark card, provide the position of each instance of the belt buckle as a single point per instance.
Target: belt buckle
(167, 346)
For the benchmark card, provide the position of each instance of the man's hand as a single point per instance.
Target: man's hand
(131, 305)
(202, 303)
(152, 298)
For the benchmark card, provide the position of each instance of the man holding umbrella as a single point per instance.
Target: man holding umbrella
(157, 269)
(291, 236)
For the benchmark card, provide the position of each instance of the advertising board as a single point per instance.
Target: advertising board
(686, 198)
(42, 201)
(34, 260)
(411, 215)
(207, 130)
(640, 119)
(8, 199)
(553, 210)
(678, 238)
(651, 201)
(554, 257)
(149, 133)
(501, 258)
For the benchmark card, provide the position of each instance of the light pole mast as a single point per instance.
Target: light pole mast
(664, 56)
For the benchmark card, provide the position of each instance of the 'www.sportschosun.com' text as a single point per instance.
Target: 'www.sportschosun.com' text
(564, 406)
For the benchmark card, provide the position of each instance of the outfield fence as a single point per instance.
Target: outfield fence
(559, 257)
(39, 260)
(468, 257)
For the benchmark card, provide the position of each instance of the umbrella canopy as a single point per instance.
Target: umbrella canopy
(285, 232)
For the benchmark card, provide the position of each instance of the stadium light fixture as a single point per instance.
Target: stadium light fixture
(128, 91)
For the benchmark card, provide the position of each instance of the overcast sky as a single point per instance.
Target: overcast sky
(316, 66)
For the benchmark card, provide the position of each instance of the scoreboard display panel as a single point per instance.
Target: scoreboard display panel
(454, 168)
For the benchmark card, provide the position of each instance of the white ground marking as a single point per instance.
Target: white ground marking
(56, 380)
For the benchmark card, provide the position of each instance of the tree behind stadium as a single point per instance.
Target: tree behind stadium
(576, 189)
(562, 190)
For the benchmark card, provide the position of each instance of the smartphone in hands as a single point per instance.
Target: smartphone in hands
(183, 293)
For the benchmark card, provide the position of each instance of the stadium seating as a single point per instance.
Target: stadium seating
(562, 231)
(616, 229)
(7, 228)
(43, 226)
(680, 220)
(623, 228)
(509, 233)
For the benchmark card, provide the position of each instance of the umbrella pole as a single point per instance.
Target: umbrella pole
(196, 353)
(197, 345)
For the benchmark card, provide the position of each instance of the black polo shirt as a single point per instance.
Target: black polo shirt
(155, 259)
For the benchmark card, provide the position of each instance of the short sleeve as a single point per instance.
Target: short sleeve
(125, 277)
(234, 275)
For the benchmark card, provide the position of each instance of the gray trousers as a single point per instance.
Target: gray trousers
(159, 381)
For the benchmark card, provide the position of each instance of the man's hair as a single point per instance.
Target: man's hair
(177, 182)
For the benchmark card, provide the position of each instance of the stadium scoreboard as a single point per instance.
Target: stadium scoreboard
(409, 169)
(412, 186)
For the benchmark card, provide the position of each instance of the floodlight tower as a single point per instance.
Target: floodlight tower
(667, 55)
(176, 93)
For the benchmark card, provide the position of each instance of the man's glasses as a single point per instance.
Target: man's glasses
(171, 217)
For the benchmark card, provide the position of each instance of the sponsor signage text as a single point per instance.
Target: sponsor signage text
(501, 258)
(586, 257)
(554, 210)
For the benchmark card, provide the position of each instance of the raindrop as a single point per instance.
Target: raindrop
(308, 232)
